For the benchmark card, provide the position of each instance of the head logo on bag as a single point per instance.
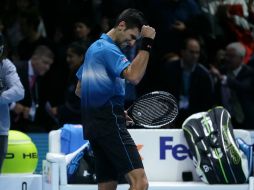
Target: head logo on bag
(216, 155)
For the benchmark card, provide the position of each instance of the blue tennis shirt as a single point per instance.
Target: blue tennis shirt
(101, 83)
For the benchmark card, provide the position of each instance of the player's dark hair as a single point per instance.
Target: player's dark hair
(132, 17)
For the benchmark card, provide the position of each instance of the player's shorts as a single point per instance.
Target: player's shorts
(116, 155)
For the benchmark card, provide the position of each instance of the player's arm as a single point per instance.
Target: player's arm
(78, 89)
(136, 70)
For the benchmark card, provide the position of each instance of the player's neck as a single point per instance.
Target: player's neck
(112, 34)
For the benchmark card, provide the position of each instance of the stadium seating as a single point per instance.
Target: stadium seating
(165, 157)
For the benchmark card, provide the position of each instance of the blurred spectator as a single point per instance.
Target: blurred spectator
(105, 24)
(235, 86)
(218, 62)
(250, 5)
(29, 23)
(82, 30)
(111, 8)
(233, 17)
(1, 26)
(12, 20)
(219, 59)
(171, 18)
(69, 111)
(214, 36)
(26, 114)
(189, 81)
(251, 62)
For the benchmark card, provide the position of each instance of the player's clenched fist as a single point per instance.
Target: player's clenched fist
(148, 31)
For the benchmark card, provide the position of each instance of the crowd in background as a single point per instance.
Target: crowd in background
(203, 54)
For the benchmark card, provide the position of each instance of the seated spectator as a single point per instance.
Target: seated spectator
(12, 18)
(82, 31)
(218, 61)
(235, 86)
(69, 111)
(189, 81)
(29, 24)
(26, 113)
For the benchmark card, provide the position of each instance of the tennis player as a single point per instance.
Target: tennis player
(101, 88)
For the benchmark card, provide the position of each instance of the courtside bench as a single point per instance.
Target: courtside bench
(165, 157)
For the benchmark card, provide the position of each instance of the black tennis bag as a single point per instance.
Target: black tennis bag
(215, 152)
(81, 169)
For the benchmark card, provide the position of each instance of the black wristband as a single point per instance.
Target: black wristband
(146, 44)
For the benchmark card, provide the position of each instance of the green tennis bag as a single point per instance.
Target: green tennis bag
(215, 152)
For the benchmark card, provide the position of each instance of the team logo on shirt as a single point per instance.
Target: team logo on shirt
(124, 60)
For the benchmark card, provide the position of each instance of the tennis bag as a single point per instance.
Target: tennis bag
(215, 152)
(81, 169)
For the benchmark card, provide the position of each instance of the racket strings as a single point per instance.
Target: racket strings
(155, 110)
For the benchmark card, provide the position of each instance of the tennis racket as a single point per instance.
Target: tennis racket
(154, 110)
